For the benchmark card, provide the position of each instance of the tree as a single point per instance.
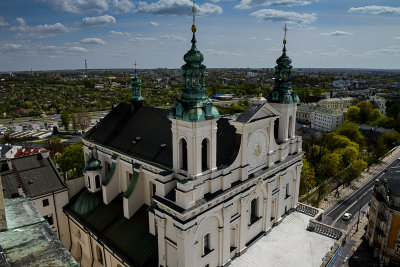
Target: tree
(330, 164)
(353, 114)
(351, 131)
(394, 110)
(65, 119)
(376, 115)
(71, 162)
(365, 111)
(307, 179)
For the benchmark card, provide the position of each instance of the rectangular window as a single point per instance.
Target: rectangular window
(45, 202)
(49, 219)
(398, 249)
(206, 244)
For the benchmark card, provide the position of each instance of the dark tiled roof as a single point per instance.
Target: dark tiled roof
(33, 173)
(129, 238)
(121, 127)
(4, 148)
(248, 114)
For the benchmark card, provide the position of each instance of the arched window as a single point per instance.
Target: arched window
(204, 155)
(253, 211)
(88, 182)
(183, 154)
(276, 129)
(206, 244)
(290, 128)
(97, 180)
(99, 254)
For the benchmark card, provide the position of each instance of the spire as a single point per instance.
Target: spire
(282, 92)
(194, 105)
(136, 86)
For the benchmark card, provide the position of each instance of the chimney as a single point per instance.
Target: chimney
(3, 221)
(44, 153)
(21, 192)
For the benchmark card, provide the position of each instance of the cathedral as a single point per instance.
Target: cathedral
(185, 186)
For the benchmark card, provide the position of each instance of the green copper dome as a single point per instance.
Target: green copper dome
(87, 202)
(282, 91)
(194, 106)
(92, 164)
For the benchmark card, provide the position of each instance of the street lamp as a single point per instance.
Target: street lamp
(359, 211)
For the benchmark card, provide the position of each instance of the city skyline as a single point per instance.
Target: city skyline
(56, 34)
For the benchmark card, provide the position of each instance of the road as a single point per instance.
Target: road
(48, 119)
(356, 201)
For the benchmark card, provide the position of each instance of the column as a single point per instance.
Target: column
(226, 236)
(185, 246)
(161, 241)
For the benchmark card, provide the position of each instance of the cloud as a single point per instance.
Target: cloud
(289, 17)
(38, 31)
(336, 33)
(121, 6)
(76, 49)
(397, 37)
(247, 4)
(376, 10)
(176, 7)
(3, 22)
(173, 37)
(134, 39)
(153, 23)
(93, 41)
(390, 51)
(253, 38)
(12, 47)
(79, 6)
(98, 21)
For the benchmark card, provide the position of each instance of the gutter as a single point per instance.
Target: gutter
(55, 208)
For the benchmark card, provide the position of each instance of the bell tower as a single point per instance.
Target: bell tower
(194, 119)
(283, 98)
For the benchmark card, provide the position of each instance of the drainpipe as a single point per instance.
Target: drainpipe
(55, 209)
(69, 230)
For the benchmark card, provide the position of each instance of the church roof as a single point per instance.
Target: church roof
(128, 238)
(146, 135)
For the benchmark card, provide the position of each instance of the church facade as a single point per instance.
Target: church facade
(185, 187)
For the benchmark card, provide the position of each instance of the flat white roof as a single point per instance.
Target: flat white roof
(289, 244)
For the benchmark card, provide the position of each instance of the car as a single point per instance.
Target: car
(346, 216)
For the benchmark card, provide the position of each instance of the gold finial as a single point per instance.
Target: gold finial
(285, 29)
(260, 95)
(194, 11)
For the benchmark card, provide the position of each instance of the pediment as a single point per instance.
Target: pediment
(265, 112)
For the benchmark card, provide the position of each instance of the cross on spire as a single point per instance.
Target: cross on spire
(285, 29)
(135, 67)
(194, 11)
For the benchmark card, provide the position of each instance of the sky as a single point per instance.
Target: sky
(61, 34)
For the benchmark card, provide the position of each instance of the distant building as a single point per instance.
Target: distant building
(26, 239)
(326, 120)
(378, 102)
(36, 177)
(342, 85)
(383, 230)
(341, 103)
(304, 113)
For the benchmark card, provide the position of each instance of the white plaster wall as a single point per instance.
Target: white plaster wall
(208, 225)
(75, 185)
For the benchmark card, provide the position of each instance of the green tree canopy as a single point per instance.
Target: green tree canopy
(366, 109)
(71, 162)
(307, 178)
(351, 131)
(65, 119)
(353, 114)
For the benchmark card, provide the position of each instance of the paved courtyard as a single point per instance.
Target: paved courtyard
(288, 245)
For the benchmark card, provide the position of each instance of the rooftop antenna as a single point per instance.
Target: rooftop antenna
(85, 67)
(194, 11)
